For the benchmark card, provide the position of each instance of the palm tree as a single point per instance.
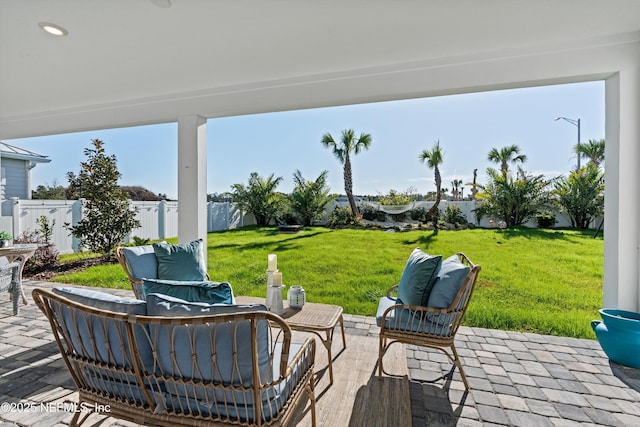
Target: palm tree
(506, 155)
(474, 185)
(433, 158)
(594, 150)
(455, 184)
(348, 144)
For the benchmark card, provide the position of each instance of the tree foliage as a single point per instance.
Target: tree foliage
(259, 197)
(593, 150)
(309, 198)
(49, 192)
(342, 150)
(581, 195)
(506, 155)
(513, 199)
(107, 217)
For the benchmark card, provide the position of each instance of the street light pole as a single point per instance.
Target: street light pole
(577, 124)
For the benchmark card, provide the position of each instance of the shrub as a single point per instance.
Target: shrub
(286, 215)
(372, 214)
(545, 219)
(396, 198)
(399, 217)
(259, 197)
(453, 215)
(368, 212)
(46, 255)
(309, 198)
(417, 214)
(342, 216)
(139, 241)
(108, 218)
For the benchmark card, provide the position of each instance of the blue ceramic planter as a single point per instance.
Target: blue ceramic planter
(619, 336)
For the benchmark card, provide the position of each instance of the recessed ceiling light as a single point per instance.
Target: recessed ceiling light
(54, 29)
(165, 4)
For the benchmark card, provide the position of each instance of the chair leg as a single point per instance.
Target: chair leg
(456, 362)
(381, 351)
(312, 400)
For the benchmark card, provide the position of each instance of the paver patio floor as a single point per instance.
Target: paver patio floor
(517, 379)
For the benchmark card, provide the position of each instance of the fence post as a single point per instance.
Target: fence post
(15, 214)
(162, 220)
(77, 213)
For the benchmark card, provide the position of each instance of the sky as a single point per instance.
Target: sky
(467, 126)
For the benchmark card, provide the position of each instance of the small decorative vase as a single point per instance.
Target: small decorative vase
(619, 336)
(296, 297)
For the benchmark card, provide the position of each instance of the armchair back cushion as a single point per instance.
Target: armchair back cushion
(418, 277)
(192, 291)
(180, 262)
(449, 280)
(142, 261)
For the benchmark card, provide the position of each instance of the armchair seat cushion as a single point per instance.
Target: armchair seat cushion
(403, 319)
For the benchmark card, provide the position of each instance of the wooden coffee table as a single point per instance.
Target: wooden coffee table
(319, 319)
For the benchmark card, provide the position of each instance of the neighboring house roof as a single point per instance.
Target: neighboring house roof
(12, 152)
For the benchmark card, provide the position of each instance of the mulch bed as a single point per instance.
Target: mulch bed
(36, 273)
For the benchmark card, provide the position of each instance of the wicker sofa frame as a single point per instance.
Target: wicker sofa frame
(117, 361)
(427, 326)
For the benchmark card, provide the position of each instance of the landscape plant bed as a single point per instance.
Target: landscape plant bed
(532, 280)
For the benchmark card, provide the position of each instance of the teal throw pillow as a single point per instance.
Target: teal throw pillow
(450, 278)
(180, 262)
(418, 277)
(209, 292)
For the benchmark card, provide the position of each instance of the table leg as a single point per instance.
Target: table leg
(327, 343)
(344, 341)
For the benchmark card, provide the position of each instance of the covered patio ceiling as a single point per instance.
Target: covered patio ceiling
(127, 63)
(136, 62)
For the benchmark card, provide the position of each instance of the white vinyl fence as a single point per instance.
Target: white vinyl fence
(159, 220)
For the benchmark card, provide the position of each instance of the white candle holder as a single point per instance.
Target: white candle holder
(274, 302)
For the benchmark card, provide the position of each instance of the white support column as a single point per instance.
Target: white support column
(622, 191)
(192, 179)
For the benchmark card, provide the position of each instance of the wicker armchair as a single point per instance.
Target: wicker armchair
(138, 262)
(426, 326)
(225, 369)
(10, 280)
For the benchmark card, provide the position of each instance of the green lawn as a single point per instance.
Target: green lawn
(543, 281)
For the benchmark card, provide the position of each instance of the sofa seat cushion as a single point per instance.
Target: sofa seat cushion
(418, 277)
(180, 262)
(403, 319)
(222, 351)
(237, 404)
(192, 291)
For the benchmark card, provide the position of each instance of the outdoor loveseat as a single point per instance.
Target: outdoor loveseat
(165, 361)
